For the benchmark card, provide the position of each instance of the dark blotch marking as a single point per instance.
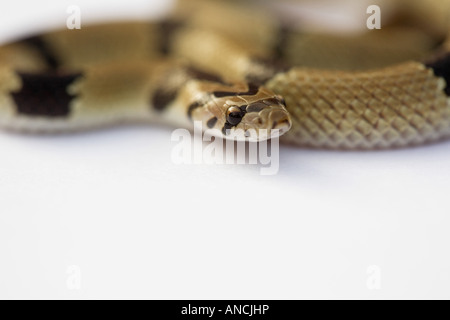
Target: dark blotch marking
(192, 107)
(167, 29)
(256, 107)
(441, 68)
(162, 98)
(252, 90)
(212, 122)
(275, 101)
(205, 76)
(39, 44)
(44, 94)
(282, 42)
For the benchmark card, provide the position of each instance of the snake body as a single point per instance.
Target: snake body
(223, 66)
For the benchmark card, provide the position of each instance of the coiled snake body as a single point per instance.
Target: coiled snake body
(229, 76)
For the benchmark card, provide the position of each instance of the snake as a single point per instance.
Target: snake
(234, 68)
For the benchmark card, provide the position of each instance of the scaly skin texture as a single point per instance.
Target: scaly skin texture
(393, 107)
(73, 80)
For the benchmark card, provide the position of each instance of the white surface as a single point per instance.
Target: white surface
(135, 225)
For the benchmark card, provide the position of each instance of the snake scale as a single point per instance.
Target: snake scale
(225, 66)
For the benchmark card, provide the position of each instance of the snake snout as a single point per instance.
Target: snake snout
(280, 120)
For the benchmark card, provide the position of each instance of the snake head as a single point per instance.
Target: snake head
(256, 115)
(260, 120)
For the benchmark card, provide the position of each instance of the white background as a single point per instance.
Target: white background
(110, 209)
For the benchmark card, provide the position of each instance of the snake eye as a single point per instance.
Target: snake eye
(234, 115)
